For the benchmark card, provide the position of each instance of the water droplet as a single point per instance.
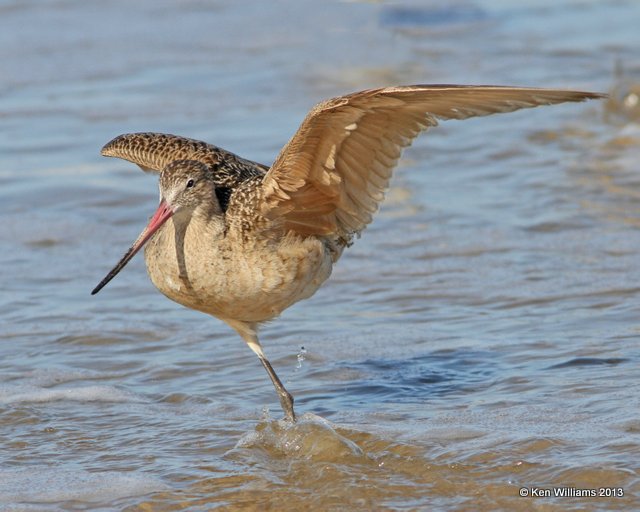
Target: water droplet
(300, 357)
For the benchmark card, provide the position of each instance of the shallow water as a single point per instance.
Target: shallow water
(481, 337)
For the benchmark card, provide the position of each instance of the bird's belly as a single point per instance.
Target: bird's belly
(251, 283)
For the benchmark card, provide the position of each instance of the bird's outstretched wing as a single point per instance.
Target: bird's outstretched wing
(331, 176)
(152, 152)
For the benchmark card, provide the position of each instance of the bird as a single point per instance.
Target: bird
(243, 241)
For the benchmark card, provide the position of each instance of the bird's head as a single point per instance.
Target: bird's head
(186, 188)
(187, 185)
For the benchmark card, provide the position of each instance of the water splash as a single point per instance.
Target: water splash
(301, 357)
(311, 437)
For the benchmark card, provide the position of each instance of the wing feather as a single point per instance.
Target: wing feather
(152, 152)
(332, 175)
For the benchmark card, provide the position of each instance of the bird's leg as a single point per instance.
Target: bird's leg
(248, 333)
(286, 400)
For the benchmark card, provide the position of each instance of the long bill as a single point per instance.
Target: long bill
(162, 214)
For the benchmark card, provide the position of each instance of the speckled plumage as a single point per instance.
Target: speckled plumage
(242, 241)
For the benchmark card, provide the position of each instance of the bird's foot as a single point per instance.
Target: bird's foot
(286, 401)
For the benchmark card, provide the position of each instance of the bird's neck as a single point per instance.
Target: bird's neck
(203, 219)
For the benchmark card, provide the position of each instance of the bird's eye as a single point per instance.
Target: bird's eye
(190, 183)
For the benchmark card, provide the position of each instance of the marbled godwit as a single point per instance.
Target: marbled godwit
(243, 241)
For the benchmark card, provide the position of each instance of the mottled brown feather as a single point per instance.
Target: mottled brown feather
(152, 152)
(331, 176)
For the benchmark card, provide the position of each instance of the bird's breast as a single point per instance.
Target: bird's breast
(254, 280)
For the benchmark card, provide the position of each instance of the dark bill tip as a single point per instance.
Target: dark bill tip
(114, 271)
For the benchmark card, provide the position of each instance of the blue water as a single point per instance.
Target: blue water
(482, 336)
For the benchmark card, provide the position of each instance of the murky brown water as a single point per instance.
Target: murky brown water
(480, 338)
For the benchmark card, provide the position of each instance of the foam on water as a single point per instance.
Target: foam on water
(12, 394)
(45, 385)
(54, 485)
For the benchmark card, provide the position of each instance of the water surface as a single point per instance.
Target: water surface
(481, 337)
